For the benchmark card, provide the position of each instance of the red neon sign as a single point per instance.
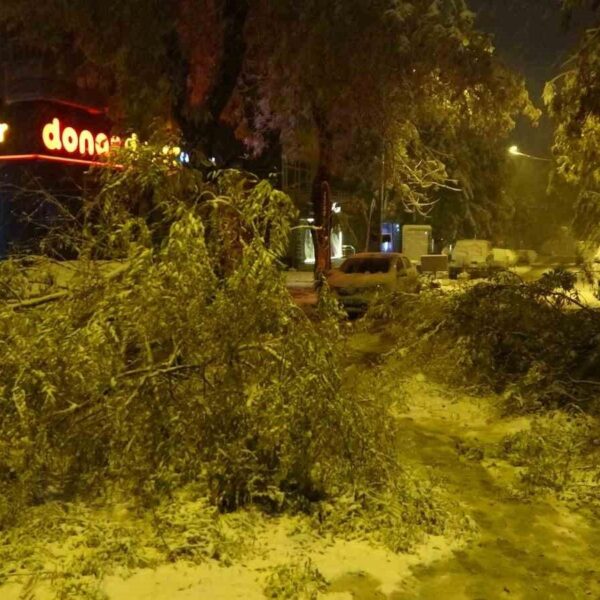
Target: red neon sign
(59, 159)
(56, 137)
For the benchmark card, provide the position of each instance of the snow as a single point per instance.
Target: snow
(537, 549)
(277, 545)
(276, 541)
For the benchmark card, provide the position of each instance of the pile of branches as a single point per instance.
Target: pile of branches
(180, 357)
(537, 343)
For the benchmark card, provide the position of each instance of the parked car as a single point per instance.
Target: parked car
(362, 276)
(504, 258)
(591, 264)
(527, 257)
(471, 256)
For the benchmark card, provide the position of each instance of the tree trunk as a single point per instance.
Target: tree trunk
(371, 238)
(321, 200)
(202, 132)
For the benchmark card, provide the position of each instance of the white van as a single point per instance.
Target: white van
(471, 256)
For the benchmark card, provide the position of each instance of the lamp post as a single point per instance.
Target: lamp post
(514, 151)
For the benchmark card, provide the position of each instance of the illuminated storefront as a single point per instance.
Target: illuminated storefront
(46, 148)
(44, 131)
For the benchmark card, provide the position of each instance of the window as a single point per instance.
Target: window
(366, 265)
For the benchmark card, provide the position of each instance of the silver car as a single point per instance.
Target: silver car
(362, 276)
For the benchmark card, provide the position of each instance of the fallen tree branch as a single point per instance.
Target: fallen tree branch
(419, 340)
(40, 300)
(585, 382)
(156, 371)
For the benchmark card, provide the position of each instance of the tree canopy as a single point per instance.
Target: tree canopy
(411, 80)
(573, 101)
(156, 61)
(349, 85)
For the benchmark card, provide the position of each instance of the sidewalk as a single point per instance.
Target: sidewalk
(301, 287)
(300, 279)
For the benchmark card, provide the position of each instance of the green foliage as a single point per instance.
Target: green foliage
(187, 362)
(526, 339)
(341, 84)
(187, 527)
(554, 454)
(88, 545)
(572, 101)
(535, 342)
(422, 86)
(69, 548)
(534, 195)
(82, 39)
(399, 517)
(295, 580)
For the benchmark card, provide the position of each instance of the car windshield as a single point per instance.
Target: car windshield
(366, 265)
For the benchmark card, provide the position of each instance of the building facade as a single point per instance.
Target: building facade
(50, 135)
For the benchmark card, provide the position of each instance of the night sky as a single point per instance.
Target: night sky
(531, 37)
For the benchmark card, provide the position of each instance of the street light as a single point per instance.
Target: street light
(514, 151)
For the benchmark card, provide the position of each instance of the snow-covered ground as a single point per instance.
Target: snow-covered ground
(532, 550)
(536, 549)
(279, 543)
(349, 566)
(300, 279)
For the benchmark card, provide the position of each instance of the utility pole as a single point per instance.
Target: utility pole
(382, 200)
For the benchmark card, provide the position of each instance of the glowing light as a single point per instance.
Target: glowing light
(58, 159)
(102, 144)
(514, 150)
(57, 138)
(70, 140)
(86, 143)
(131, 143)
(3, 130)
(184, 158)
(51, 135)
(336, 208)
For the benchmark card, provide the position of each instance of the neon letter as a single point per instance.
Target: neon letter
(86, 143)
(51, 135)
(102, 144)
(131, 143)
(3, 130)
(70, 139)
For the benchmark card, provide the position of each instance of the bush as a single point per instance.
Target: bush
(534, 342)
(554, 454)
(399, 516)
(87, 543)
(181, 359)
(295, 581)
